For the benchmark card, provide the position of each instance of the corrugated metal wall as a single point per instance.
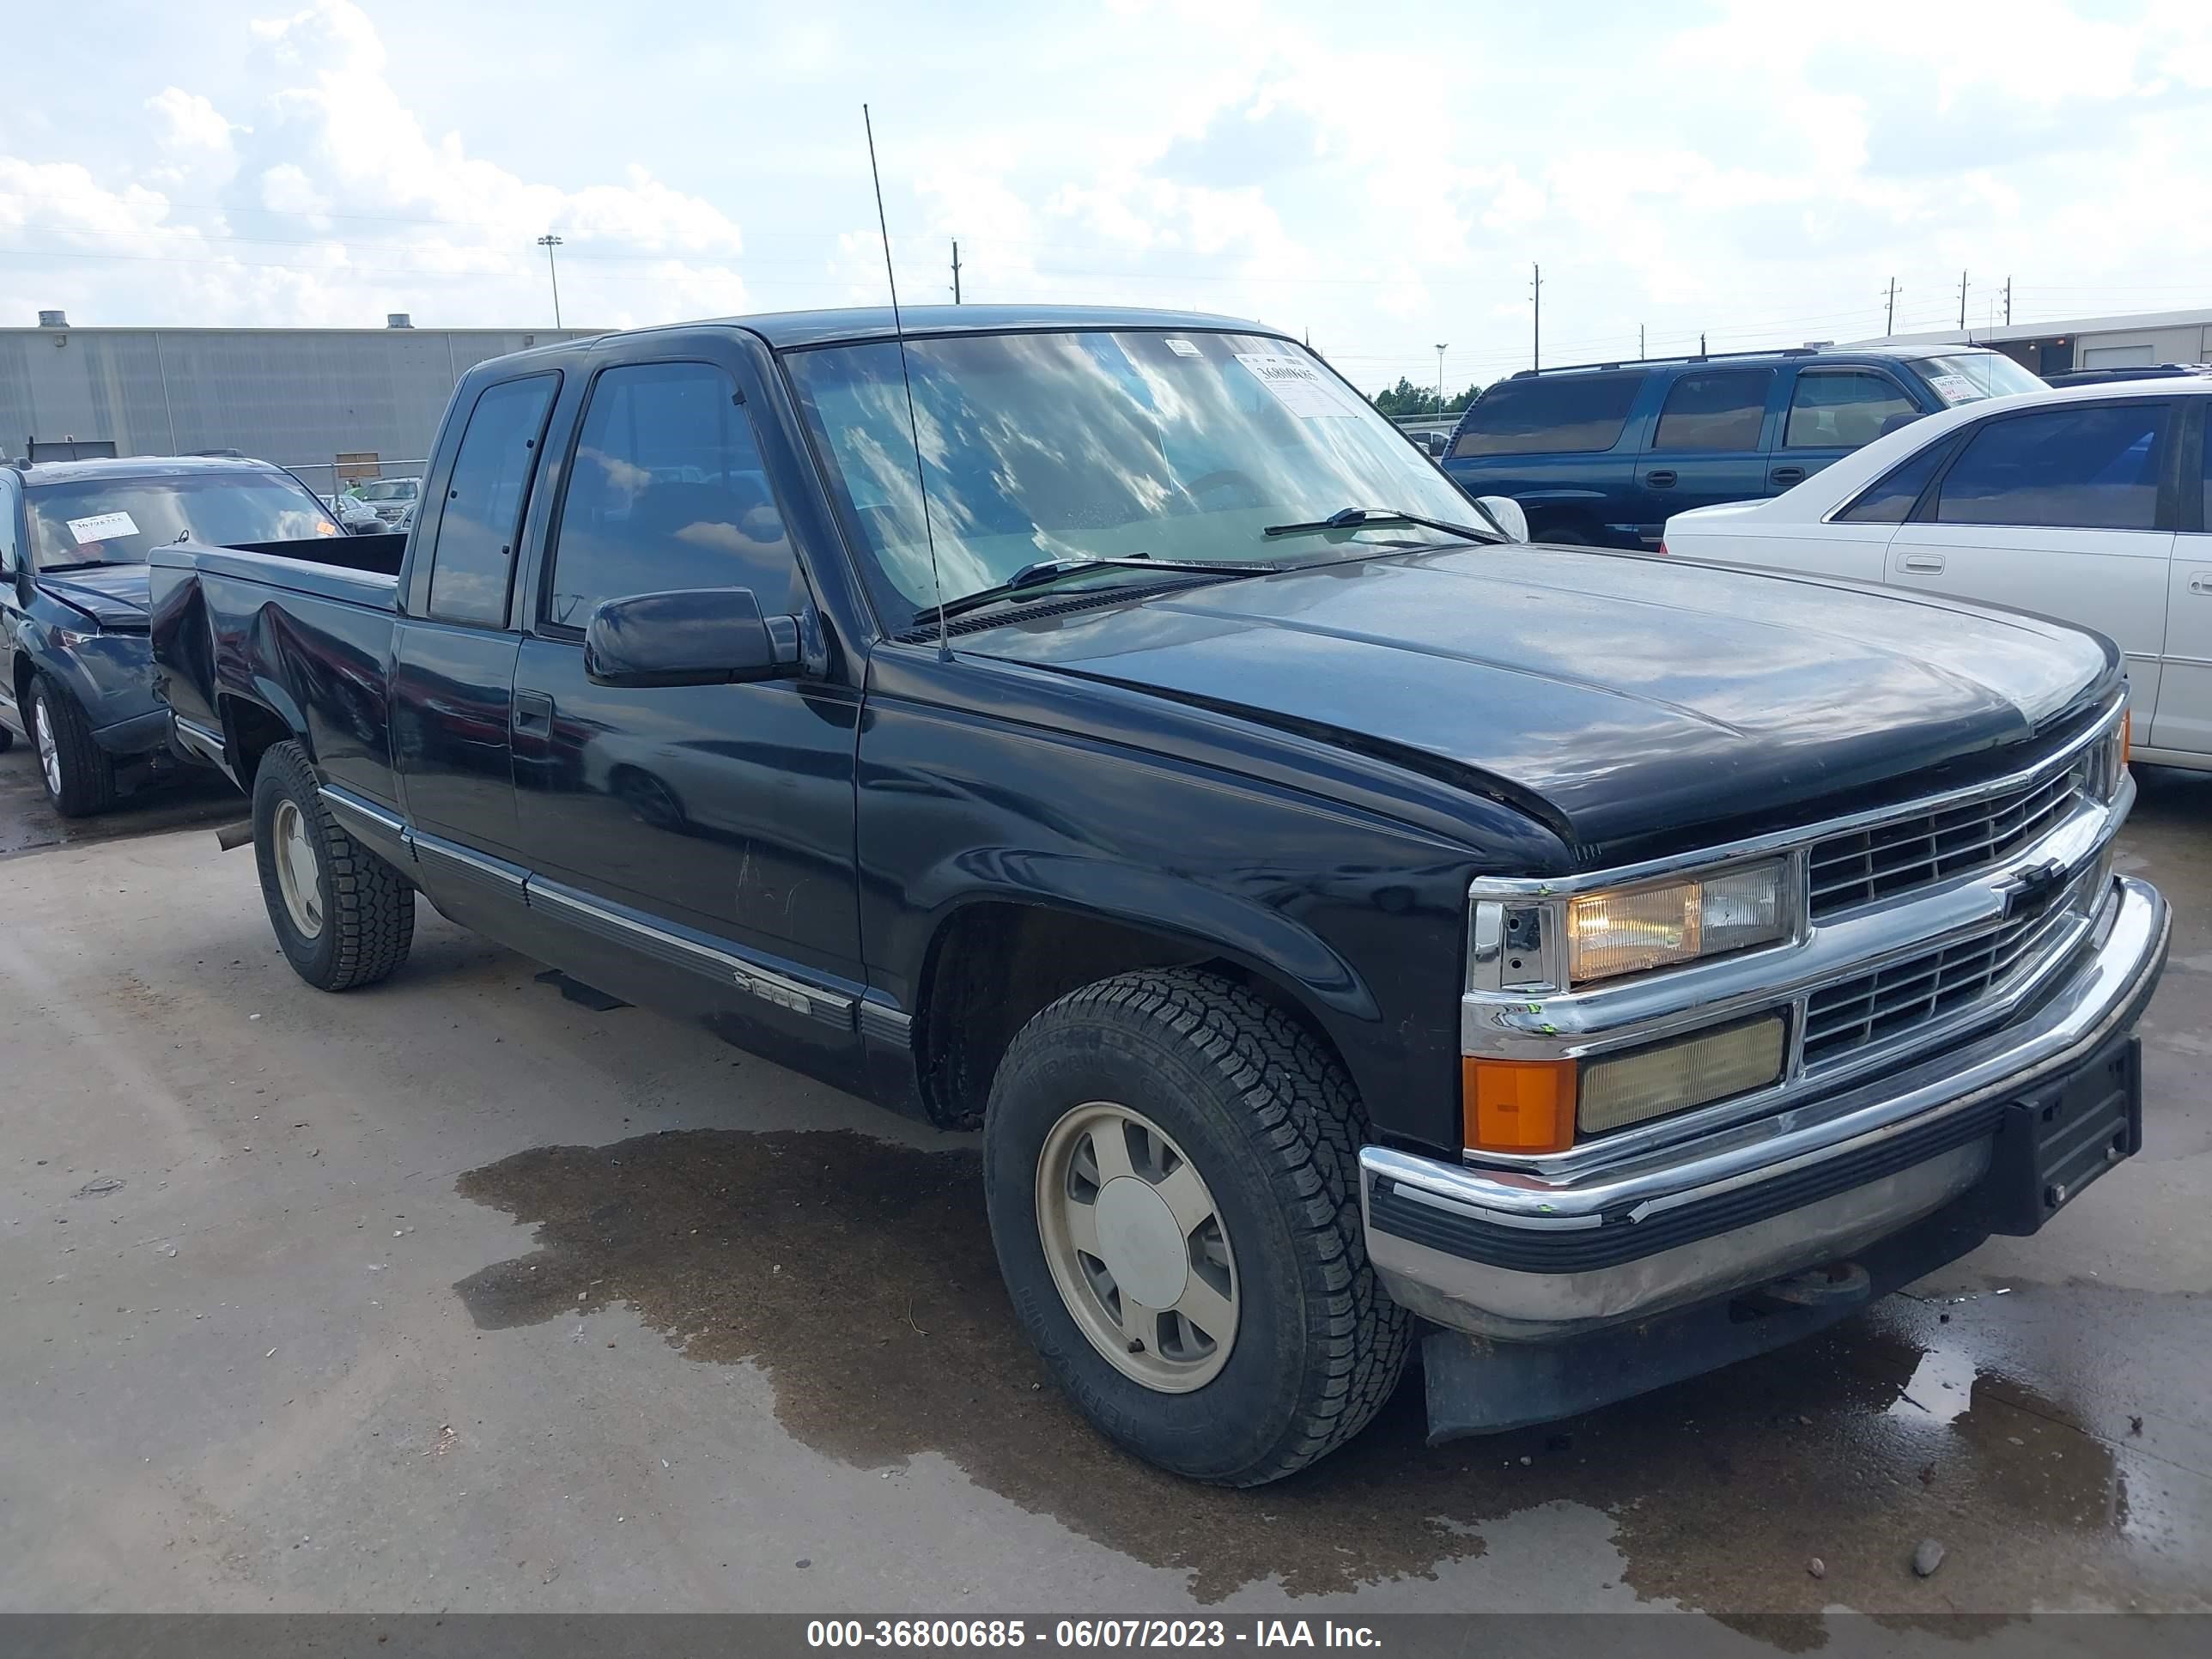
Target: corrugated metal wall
(294, 396)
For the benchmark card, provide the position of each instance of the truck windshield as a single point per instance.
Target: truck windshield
(1967, 377)
(117, 520)
(1082, 445)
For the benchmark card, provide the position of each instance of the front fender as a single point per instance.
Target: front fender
(110, 675)
(1263, 940)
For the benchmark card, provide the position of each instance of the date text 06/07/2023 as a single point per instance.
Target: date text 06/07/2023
(952, 1634)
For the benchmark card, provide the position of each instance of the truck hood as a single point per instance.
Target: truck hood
(113, 595)
(1618, 697)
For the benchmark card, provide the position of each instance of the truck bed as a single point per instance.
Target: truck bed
(305, 625)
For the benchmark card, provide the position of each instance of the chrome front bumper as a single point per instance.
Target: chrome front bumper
(1519, 1255)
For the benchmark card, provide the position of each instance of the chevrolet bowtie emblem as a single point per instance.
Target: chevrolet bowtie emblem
(2028, 892)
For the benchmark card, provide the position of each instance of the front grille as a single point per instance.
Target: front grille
(1864, 865)
(1846, 1016)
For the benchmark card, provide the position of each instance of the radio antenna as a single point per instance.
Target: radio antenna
(914, 425)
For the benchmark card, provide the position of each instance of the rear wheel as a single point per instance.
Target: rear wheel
(343, 916)
(78, 776)
(1170, 1165)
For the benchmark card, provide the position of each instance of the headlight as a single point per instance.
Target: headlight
(2105, 763)
(71, 638)
(1629, 930)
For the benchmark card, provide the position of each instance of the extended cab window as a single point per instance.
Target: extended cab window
(1563, 414)
(482, 520)
(1717, 408)
(667, 492)
(2089, 467)
(1843, 409)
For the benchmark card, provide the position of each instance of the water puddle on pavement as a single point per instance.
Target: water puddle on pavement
(859, 1275)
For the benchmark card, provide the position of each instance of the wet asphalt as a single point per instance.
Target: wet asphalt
(460, 1293)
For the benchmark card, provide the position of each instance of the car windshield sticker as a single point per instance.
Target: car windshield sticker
(1184, 348)
(1956, 388)
(102, 527)
(1299, 385)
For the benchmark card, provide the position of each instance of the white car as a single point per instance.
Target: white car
(2092, 505)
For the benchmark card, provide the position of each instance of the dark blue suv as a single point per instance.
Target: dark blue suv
(1601, 454)
(76, 673)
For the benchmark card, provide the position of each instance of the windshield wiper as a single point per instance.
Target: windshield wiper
(1362, 518)
(1045, 572)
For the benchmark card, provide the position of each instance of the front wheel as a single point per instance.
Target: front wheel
(1170, 1166)
(79, 777)
(344, 916)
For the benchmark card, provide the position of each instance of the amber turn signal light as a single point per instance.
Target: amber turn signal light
(1518, 1105)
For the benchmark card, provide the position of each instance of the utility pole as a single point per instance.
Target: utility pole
(1440, 379)
(1536, 320)
(955, 270)
(1701, 342)
(549, 242)
(1639, 342)
(1889, 322)
(2007, 302)
(1962, 299)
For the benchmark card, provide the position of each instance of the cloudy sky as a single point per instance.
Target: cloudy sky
(1380, 176)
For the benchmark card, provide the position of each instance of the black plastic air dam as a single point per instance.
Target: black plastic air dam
(1477, 1385)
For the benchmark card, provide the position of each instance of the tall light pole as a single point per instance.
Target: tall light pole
(1536, 316)
(549, 242)
(1440, 379)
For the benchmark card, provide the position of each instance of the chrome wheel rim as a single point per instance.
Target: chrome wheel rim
(49, 752)
(295, 869)
(1137, 1246)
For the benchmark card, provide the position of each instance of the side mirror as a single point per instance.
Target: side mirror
(1508, 514)
(697, 636)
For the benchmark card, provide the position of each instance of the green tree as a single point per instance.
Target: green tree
(1405, 398)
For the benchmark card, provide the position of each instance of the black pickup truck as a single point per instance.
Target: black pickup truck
(1346, 923)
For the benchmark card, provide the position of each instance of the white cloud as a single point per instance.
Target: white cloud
(1384, 176)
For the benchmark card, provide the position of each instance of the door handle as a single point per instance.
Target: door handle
(1660, 480)
(2200, 582)
(533, 713)
(1788, 475)
(1928, 564)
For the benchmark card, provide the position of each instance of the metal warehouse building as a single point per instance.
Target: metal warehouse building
(2127, 340)
(302, 398)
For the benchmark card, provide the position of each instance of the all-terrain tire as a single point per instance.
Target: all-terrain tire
(368, 909)
(86, 784)
(1273, 1127)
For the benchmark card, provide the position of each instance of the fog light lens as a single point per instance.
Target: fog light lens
(1672, 1077)
(1632, 929)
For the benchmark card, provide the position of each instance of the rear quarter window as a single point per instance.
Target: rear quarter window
(1565, 414)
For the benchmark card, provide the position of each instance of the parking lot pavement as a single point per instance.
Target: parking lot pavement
(458, 1294)
(28, 822)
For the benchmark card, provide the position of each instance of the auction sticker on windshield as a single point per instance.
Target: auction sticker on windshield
(102, 527)
(1298, 386)
(1956, 388)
